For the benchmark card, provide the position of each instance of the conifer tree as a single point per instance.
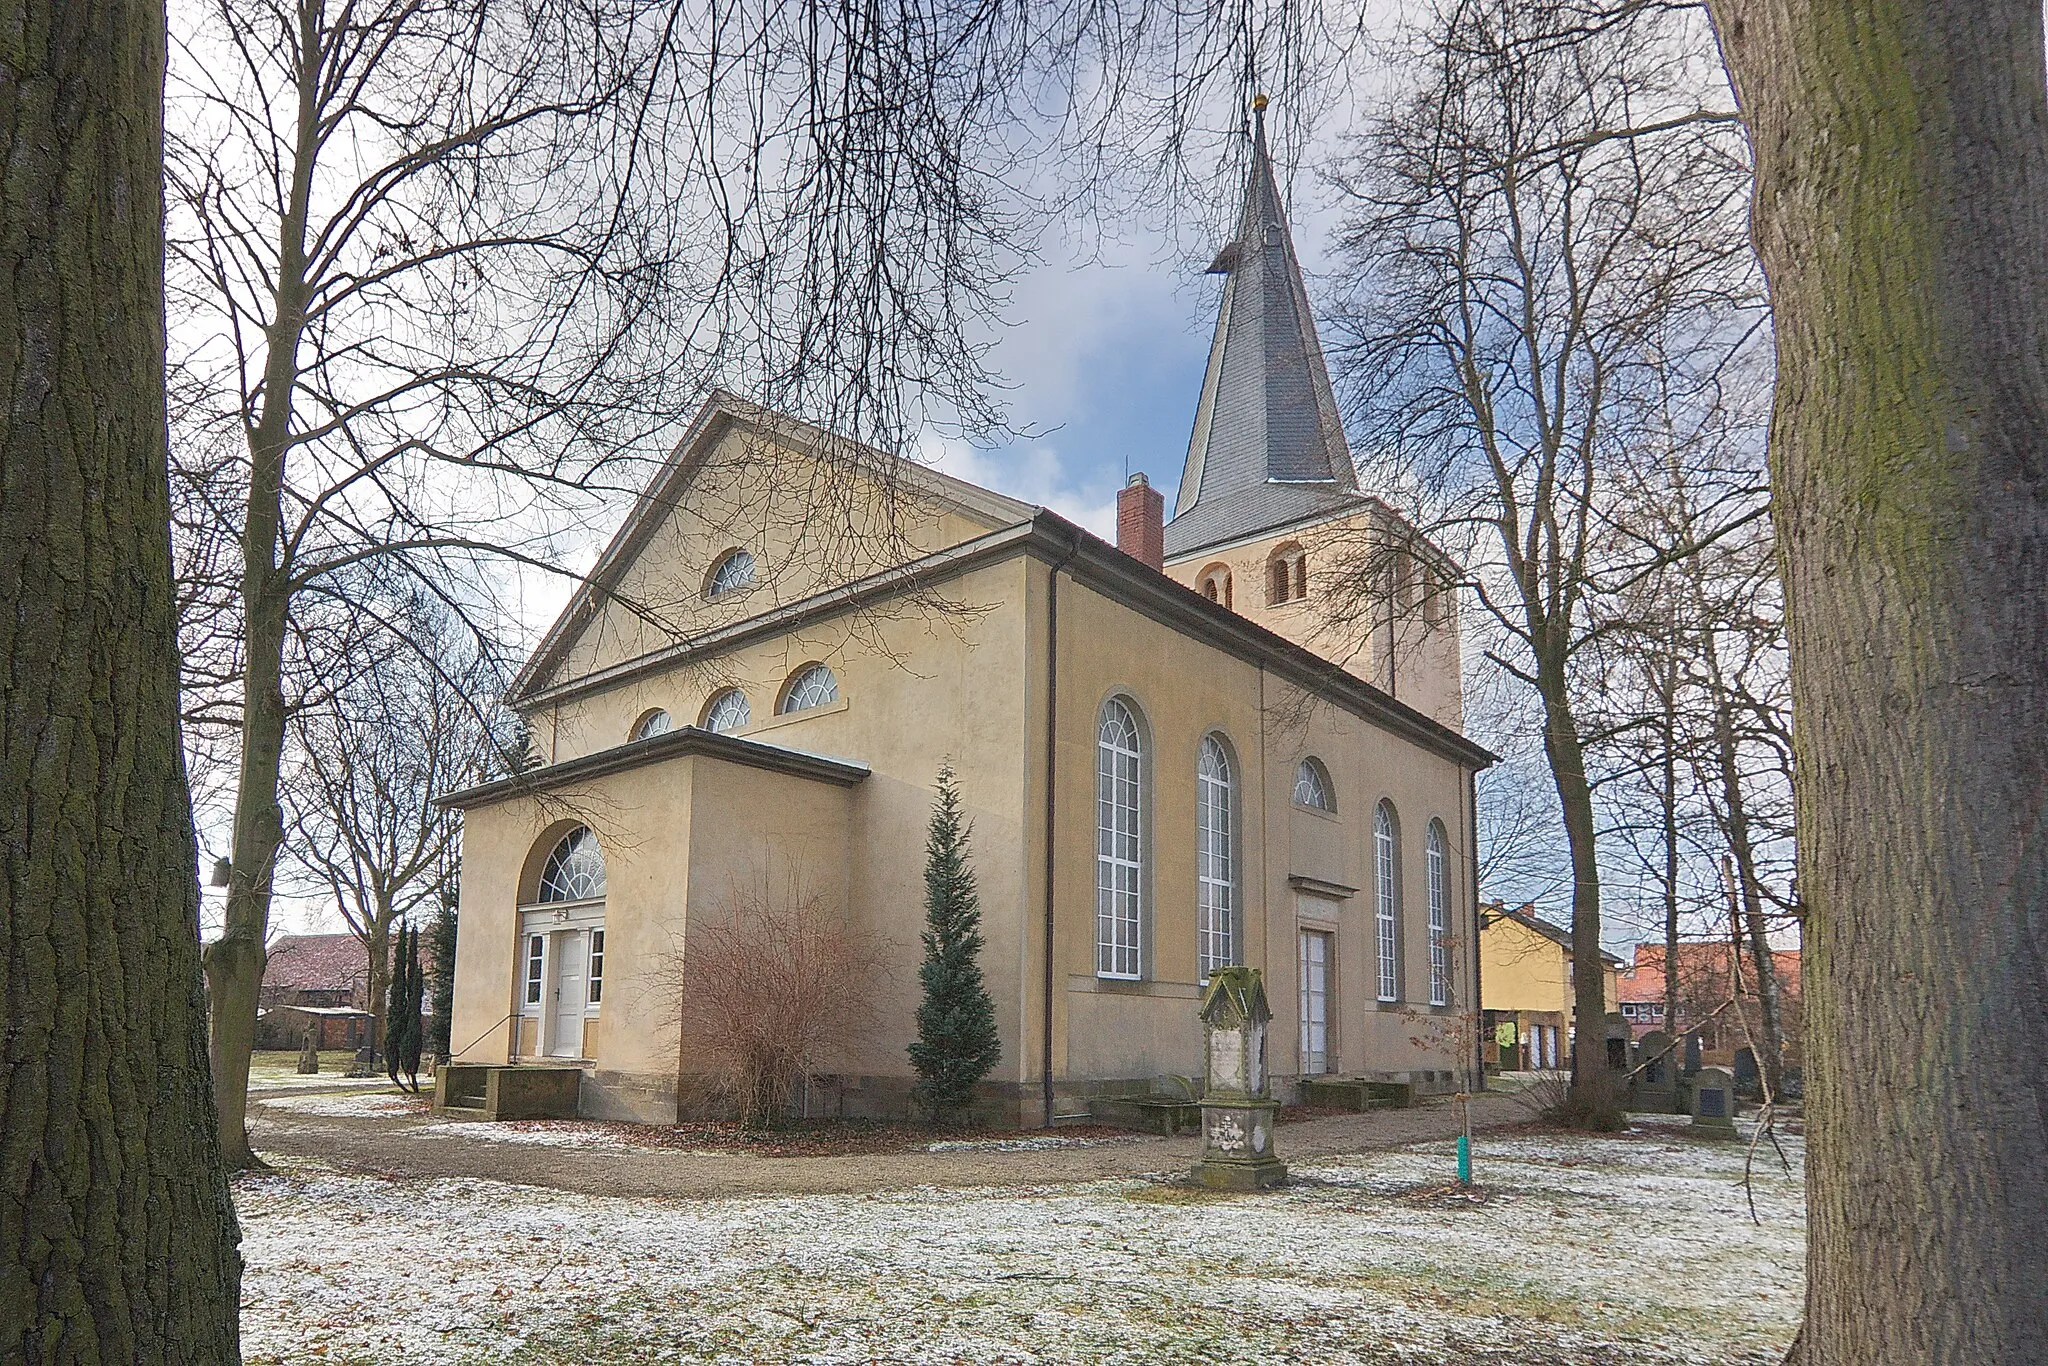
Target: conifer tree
(956, 1024)
(402, 1008)
(442, 941)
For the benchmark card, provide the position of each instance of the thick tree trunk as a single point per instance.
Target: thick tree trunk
(1902, 213)
(117, 1239)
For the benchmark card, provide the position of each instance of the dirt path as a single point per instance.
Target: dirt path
(419, 1146)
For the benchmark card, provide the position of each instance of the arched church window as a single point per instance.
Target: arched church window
(1119, 841)
(1312, 785)
(728, 711)
(1215, 859)
(574, 870)
(1439, 918)
(811, 686)
(734, 572)
(1388, 886)
(653, 723)
(1215, 584)
(1286, 574)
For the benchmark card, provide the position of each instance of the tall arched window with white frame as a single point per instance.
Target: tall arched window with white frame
(1388, 885)
(1119, 842)
(1215, 859)
(1439, 919)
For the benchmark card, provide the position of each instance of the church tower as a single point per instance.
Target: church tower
(1268, 448)
(1269, 519)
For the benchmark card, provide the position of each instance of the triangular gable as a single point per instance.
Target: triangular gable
(720, 416)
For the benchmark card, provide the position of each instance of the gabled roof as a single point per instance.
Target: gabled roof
(317, 962)
(719, 413)
(1529, 920)
(1268, 446)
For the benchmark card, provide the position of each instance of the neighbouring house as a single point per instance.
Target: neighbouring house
(1526, 988)
(314, 979)
(1705, 985)
(1168, 764)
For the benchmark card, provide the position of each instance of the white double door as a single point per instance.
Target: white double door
(1315, 1002)
(569, 992)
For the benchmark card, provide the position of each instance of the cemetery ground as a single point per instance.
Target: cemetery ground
(383, 1235)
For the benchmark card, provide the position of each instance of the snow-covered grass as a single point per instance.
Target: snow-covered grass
(276, 1067)
(358, 1105)
(1017, 1145)
(542, 1133)
(1579, 1251)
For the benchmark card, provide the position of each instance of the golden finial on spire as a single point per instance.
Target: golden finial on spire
(1259, 104)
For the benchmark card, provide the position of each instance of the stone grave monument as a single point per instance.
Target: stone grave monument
(1713, 1102)
(1654, 1087)
(309, 1053)
(1237, 1114)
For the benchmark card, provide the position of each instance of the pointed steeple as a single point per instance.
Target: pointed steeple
(1268, 446)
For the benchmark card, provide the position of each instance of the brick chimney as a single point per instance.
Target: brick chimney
(1140, 522)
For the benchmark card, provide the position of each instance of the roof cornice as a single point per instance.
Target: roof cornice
(675, 744)
(1096, 563)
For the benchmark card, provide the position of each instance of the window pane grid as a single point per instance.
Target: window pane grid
(1383, 860)
(596, 966)
(1215, 914)
(1311, 788)
(574, 870)
(734, 572)
(728, 712)
(1117, 860)
(533, 964)
(814, 687)
(1439, 923)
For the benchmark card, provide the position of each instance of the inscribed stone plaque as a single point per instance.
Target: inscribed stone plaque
(1226, 1060)
(1713, 1102)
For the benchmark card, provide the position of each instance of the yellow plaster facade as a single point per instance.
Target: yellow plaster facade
(1525, 974)
(989, 635)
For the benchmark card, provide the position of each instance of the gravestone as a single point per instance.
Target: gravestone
(309, 1053)
(1692, 1053)
(1654, 1087)
(1237, 1114)
(1747, 1081)
(1713, 1102)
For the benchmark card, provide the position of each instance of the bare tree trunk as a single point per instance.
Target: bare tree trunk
(1667, 795)
(379, 982)
(1592, 1101)
(118, 1240)
(1743, 887)
(1902, 172)
(234, 962)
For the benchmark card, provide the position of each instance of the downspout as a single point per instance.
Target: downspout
(1052, 730)
(1472, 847)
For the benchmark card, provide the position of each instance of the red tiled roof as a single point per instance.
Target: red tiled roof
(317, 962)
(1699, 962)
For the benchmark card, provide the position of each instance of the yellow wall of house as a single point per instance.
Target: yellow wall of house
(1410, 657)
(1522, 970)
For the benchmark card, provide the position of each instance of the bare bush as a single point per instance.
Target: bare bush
(767, 985)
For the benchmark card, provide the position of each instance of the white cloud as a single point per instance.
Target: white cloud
(1034, 473)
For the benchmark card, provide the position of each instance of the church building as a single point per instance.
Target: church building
(1176, 752)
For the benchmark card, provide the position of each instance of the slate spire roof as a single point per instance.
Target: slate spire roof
(1268, 447)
